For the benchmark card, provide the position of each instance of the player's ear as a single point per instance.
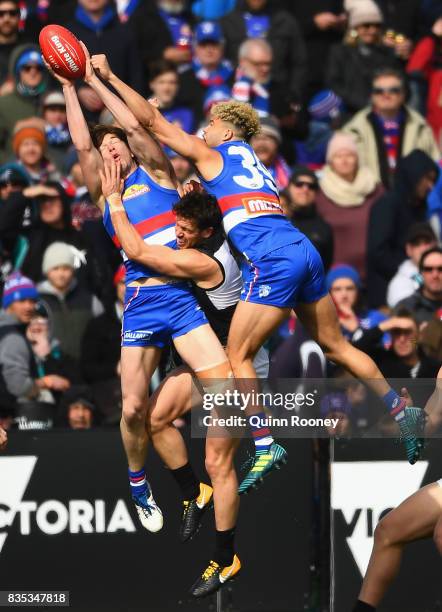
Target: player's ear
(228, 135)
(207, 233)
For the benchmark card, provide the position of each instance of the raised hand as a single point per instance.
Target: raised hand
(111, 181)
(63, 80)
(101, 66)
(89, 72)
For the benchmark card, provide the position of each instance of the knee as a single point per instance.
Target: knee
(157, 423)
(383, 534)
(134, 410)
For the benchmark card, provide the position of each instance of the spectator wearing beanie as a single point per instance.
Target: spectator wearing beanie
(390, 219)
(70, 307)
(326, 112)
(30, 147)
(301, 209)
(20, 383)
(347, 193)
(344, 284)
(352, 64)
(30, 83)
(266, 145)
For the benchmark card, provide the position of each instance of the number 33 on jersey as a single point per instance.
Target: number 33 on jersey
(252, 215)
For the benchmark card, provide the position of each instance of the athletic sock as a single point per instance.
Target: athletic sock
(138, 484)
(260, 432)
(395, 404)
(187, 481)
(224, 551)
(361, 606)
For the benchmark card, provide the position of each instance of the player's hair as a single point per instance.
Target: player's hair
(200, 207)
(99, 131)
(241, 115)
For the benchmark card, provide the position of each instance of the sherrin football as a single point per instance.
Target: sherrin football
(63, 52)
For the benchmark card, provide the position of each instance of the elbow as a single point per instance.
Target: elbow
(133, 252)
(133, 127)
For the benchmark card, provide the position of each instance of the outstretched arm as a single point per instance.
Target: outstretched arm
(206, 159)
(189, 263)
(88, 156)
(146, 148)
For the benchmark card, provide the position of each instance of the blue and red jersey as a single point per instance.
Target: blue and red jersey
(249, 199)
(149, 209)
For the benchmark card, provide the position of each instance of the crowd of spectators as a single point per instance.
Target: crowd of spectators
(349, 93)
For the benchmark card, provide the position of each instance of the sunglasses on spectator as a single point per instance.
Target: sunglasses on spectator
(370, 25)
(387, 90)
(307, 184)
(29, 67)
(432, 269)
(10, 13)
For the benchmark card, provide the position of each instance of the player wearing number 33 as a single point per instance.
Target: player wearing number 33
(281, 270)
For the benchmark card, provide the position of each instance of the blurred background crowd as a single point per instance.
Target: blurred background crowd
(350, 98)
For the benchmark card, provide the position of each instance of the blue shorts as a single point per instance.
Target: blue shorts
(153, 316)
(285, 277)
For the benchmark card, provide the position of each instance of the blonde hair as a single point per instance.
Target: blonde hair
(241, 115)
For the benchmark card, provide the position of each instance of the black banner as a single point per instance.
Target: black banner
(368, 478)
(67, 524)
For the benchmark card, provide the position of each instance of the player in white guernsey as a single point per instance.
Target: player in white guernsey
(416, 518)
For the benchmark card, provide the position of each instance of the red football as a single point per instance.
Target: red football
(62, 50)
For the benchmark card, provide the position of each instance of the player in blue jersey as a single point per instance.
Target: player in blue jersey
(282, 270)
(158, 308)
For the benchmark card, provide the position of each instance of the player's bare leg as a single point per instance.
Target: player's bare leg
(321, 321)
(415, 519)
(137, 366)
(215, 376)
(251, 325)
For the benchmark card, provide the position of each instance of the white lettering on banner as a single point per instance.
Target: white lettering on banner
(52, 517)
(364, 491)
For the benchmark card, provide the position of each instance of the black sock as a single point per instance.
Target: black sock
(224, 547)
(361, 606)
(187, 481)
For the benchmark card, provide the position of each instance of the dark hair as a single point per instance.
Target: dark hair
(200, 207)
(425, 254)
(99, 131)
(386, 71)
(160, 67)
(405, 313)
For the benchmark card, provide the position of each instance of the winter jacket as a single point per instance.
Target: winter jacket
(100, 347)
(390, 218)
(404, 283)
(17, 368)
(349, 225)
(423, 308)
(350, 71)
(286, 39)
(16, 106)
(69, 314)
(319, 232)
(416, 134)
